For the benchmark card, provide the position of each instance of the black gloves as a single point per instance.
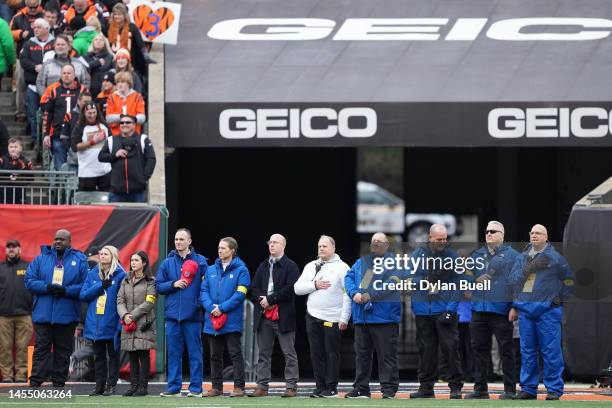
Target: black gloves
(106, 283)
(447, 318)
(56, 290)
(539, 262)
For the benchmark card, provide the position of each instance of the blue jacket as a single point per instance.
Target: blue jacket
(386, 304)
(227, 289)
(53, 309)
(425, 303)
(181, 304)
(102, 326)
(555, 280)
(498, 266)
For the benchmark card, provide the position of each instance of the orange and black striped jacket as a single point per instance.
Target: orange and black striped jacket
(131, 104)
(57, 103)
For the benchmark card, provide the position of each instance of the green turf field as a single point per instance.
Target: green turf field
(220, 402)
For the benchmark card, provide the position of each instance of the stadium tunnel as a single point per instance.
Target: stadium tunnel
(266, 117)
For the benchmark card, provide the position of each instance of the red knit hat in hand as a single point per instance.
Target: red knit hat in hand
(189, 270)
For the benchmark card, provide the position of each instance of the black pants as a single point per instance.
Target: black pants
(430, 333)
(482, 327)
(101, 183)
(382, 338)
(106, 360)
(466, 352)
(325, 342)
(234, 348)
(61, 338)
(140, 364)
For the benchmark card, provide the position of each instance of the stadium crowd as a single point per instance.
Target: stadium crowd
(79, 68)
(530, 286)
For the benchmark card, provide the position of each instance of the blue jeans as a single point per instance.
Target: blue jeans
(60, 153)
(138, 197)
(32, 105)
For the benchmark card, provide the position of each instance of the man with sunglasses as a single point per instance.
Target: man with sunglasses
(132, 159)
(274, 317)
(543, 281)
(328, 312)
(491, 311)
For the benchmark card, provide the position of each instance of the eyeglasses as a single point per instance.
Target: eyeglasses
(491, 232)
(126, 123)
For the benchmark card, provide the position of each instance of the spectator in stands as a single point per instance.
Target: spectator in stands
(31, 59)
(376, 316)
(57, 102)
(84, 36)
(53, 63)
(14, 160)
(6, 12)
(100, 60)
(79, 12)
(21, 27)
(183, 314)
(102, 321)
(88, 137)
(15, 315)
(56, 24)
(55, 278)
(136, 309)
(123, 64)
(222, 296)
(70, 122)
(125, 100)
(7, 49)
(328, 313)
(108, 87)
(132, 158)
(124, 34)
(273, 296)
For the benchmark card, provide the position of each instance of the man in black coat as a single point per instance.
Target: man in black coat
(272, 293)
(15, 315)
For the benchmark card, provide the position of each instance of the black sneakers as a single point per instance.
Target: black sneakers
(422, 394)
(526, 396)
(329, 394)
(477, 395)
(357, 394)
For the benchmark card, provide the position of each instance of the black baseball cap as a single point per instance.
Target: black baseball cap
(109, 77)
(13, 243)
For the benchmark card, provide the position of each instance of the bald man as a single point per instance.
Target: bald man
(543, 281)
(435, 311)
(376, 316)
(55, 278)
(272, 293)
(491, 311)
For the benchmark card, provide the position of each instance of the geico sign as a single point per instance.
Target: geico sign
(412, 29)
(511, 123)
(294, 123)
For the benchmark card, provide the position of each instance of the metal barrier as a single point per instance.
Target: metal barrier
(37, 187)
(250, 350)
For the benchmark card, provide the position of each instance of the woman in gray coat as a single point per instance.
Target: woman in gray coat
(136, 309)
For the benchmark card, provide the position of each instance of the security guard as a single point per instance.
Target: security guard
(543, 280)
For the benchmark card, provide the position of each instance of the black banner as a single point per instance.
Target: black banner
(426, 124)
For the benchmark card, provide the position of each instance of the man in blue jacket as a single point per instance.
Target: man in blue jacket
(55, 278)
(542, 281)
(183, 314)
(376, 315)
(491, 311)
(435, 310)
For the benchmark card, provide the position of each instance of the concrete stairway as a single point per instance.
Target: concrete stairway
(7, 115)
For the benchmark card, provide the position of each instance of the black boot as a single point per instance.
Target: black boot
(110, 390)
(133, 389)
(142, 390)
(99, 390)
